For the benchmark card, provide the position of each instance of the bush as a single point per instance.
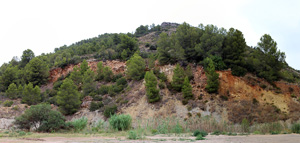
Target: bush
(120, 122)
(95, 106)
(42, 115)
(199, 137)
(202, 133)
(103, 89)
(245, 125)
(78, 124)
(296, 128)
(132, 135)
(110, 110)
(7, 103)
(97, 98)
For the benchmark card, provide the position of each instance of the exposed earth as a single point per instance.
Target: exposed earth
(288, 138)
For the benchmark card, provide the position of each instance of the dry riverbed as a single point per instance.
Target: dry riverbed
(286, 138)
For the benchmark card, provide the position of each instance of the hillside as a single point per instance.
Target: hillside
(253, 84)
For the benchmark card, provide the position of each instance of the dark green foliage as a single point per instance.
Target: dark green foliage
(265, 60)
(200, 137)
(26, 57)
(103, 89)
(100, 74)
(187, 89)
(95, 106)
(202, 133)
(9, 75)
(76, 76)
(8, 103)
(151, 87)
(42, 118)
(110, 110)
(142, 30)
(54, 122)
(127, 43)
(296, 128)
(37, 72)
(135, 67)
(217, 60)
(12, 91)
(89, 85)
(68, 97)
(107, 74)
(31, 96)
(187, 37)
(78, 124)
(163, 49)
(120, 122)
(178, 78)
(84, 67)
(212, 78)
(234, 52)
(211, 42)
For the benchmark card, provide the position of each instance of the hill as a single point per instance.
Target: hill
(229, 80)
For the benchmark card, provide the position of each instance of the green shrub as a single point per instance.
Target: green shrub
(202, 133)
(97, 126)
(79, 124)
(199, 137)
(8, 103)
(216, 133)
(54, 122)
(132, 135)
(103, 89)
(95, 106)
(49, 120)
(178, 128)
(232, 134)
(245, 125)
(120, 122)
(296, 128)
(110, 110)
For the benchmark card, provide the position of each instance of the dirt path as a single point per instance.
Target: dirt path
(289, 138)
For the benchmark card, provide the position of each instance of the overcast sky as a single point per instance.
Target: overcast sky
(42, 25)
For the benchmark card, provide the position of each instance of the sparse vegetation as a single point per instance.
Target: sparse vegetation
(120, 122)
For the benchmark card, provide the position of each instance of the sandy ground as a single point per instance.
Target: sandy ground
(289, 138)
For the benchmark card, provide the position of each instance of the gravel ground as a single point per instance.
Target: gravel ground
(288, 138)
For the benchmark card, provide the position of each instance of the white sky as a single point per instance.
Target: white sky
(42, 25)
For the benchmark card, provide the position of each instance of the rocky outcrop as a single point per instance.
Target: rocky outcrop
(115, 65)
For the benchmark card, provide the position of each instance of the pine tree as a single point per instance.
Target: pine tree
(68, 97)
(151, 87)
(100, 75)
(31, 96)
(76, 76)
(178, 78)
(163, 48)
(107, 74)
(234, 51)
(84, 67)
(187, 89)
(212, 78)
(12, 91)
(37, 72)
(135, 67)
(124, 55)
(89, 85)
